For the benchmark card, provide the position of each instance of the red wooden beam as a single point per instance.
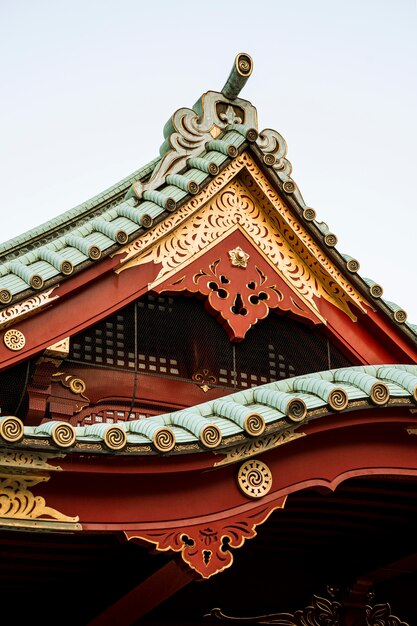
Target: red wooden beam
(147, 595)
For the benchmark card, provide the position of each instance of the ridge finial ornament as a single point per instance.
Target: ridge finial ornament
(241, 70)
(188, 130)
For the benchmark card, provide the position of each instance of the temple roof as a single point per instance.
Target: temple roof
(199, 142)
(273, 409)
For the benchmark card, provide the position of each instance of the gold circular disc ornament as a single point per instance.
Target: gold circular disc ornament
(254, 478)
(115, 438)
(11, 429)
(14, 339)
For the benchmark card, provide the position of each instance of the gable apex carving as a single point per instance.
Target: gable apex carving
(241, 199)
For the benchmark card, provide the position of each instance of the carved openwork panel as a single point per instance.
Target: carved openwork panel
(240, 285)
(206, 547)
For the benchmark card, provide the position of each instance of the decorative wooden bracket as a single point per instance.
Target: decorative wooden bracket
(206, 547)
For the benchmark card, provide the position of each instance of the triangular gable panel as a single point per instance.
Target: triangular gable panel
(239, 245)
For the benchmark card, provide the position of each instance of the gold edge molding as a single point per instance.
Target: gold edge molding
(26, 308)
(261, 184)
(253, 448)
(38, 524)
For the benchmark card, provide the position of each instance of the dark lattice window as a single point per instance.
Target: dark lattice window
(177, 338)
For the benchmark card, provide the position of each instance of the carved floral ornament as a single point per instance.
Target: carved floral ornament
(238, 258)
(248, 204)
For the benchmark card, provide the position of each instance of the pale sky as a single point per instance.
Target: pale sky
(88, 85)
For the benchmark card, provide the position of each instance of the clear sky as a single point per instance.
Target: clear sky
(88, 85)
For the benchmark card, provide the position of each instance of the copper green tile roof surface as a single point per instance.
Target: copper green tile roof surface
(189, 157)
(244, 415)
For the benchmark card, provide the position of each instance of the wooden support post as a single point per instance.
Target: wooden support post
(147, 595)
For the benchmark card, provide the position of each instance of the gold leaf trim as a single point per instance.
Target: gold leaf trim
(252, 448)
(28, 461)
(17, 502)
(26, 308)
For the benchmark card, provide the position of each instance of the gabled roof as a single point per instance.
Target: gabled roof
(199, 142)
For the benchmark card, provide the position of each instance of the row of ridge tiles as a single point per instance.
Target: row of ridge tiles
(272, 401)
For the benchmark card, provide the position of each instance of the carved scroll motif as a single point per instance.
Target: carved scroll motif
(322, 612)
(188, 130)
(252, 448)
(206, 548)
(380, 615)
(76, 385)
(19, 472)
(24, 461)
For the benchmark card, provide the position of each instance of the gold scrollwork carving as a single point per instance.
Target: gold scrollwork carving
(17, 502)
(321, 612)
(26, 308)
(380, 615)
(76, 385)
(205, 378)
(25, 461)
(19, 473)
(254, 478)
(249, 449)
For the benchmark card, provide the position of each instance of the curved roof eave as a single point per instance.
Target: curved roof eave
(273, 409)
